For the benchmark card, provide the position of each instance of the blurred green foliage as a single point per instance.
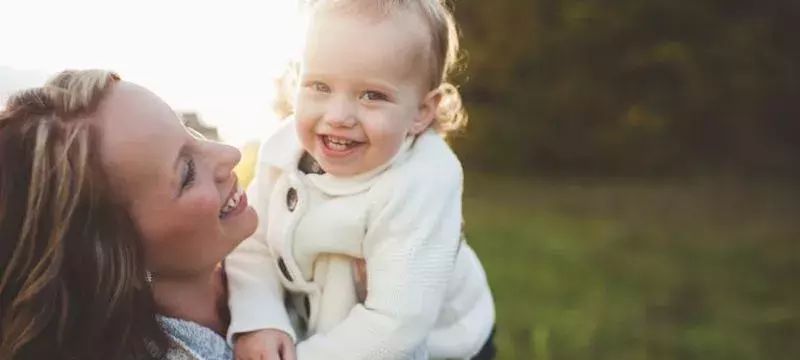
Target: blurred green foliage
(636, 87)
(632, 269)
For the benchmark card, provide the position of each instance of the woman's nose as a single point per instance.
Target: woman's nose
(340, 113)
(226, 157)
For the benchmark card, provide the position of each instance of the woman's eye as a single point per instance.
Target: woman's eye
(374, 96)
(188, 174)
(319, 87)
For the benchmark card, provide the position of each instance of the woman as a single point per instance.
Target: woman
(112, 212)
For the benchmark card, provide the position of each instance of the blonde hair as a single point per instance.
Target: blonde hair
(69, 263)
(444, 46)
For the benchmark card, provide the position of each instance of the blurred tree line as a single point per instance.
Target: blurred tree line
(631, 87)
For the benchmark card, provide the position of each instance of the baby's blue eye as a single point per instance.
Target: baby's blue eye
(374, 96)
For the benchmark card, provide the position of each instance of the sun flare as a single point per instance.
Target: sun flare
(216, 58)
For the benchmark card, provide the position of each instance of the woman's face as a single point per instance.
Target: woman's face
(180, 190)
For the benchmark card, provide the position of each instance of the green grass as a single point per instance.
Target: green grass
(638, 269)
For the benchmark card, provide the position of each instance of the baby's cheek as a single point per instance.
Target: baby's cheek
(306, 120)
(305, 130)
(307, 110)
(388, 135)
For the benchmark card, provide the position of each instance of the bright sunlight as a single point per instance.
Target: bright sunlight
(216, 58)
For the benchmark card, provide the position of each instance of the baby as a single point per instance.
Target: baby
(362, 175)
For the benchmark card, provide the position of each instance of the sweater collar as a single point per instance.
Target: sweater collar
(282, 149)
(199, 341)
(348, 185)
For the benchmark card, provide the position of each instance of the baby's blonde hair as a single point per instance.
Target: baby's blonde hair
(444, 46)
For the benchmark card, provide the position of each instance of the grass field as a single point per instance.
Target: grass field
(640, 269)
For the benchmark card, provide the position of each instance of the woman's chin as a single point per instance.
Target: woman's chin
(242, 226)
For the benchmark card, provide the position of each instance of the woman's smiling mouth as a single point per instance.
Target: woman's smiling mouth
(236, 203)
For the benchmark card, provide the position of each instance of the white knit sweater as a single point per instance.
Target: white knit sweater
(427, 293)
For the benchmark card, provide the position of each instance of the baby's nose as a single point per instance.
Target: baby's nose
(341, 113)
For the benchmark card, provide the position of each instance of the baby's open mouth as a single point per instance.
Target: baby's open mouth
(336, 143)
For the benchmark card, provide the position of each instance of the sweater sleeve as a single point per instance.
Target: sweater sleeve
(409, 249)
(255, 292)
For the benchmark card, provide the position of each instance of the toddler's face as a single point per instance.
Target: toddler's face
(363, 89)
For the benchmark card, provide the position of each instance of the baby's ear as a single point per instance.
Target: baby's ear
(427, 112)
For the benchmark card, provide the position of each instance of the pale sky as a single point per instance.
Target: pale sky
(215, 57)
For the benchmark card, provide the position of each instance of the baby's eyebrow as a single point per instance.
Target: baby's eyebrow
(384, 85)
(314, 75)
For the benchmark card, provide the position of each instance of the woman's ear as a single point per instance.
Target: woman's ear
(427, 112)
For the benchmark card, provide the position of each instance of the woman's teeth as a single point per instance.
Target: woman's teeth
(232, 202)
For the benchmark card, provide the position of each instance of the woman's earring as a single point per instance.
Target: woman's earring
(148, 276)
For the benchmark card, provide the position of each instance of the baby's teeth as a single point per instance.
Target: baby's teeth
(339, 141)
(335, 145)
